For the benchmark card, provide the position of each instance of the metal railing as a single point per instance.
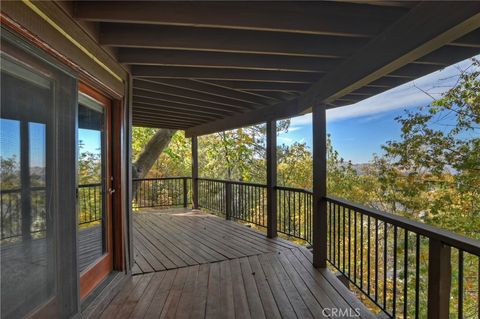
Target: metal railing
(295, 212)
(238, 200)
(161, 192)
(90, 203)
(388, 259)
(12, 218)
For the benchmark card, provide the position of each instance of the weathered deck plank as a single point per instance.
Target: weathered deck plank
(179, 238)
(232, 272)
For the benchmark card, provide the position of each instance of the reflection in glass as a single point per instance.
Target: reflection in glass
(27, 244)
(91, 182)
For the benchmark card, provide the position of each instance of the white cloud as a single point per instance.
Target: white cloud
(411, 94)
(301, 120)
(294, 128)
(286, 140)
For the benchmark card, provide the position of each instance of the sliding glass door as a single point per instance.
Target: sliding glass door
(94, 189)
(37, 134)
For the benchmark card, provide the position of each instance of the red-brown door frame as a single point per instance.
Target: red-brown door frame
(98, 271)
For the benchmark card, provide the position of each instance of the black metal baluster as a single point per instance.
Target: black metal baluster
(417, 276)
(355, 247)
(334, 230)
(285, 211)
(361, 251)
(305, 216)
(376, 260)
(349, 242)
(368, 255)
(94, 203)
(460, 284)
(343, 238)
(337, 211)
(330, 240)
(394, 305)
(385, 262)
(405, 275)
(478, 286)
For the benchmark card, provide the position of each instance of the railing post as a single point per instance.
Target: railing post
(185, 192)
(228, 200)
(439, 279)
(195, 172)
(271, 179)
(319, 185)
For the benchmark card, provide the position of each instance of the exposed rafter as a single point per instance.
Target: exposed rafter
(183, 103)
(170, 72)
(220, 40)
(415, 35)
(216, 90)
(224, 60)
(225, 103)
(341, 19)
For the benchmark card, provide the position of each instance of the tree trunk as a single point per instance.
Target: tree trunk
(150, 154)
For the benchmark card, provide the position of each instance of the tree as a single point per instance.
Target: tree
(435, 166)
(152, 150)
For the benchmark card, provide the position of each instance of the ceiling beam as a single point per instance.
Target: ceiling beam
(220, 40)
(145, 104)
(216, 90)
(166, 116)
(414, 70)
(172, 72)
(156, 104)
(449, 54)
(416, 34)
(342, 19)
(469, 40)
(141, 123)
(184, 103)
(148, 117)
(196, 96)
(263, 86)
(224, 60)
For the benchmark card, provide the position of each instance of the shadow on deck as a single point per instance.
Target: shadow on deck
(189, 264)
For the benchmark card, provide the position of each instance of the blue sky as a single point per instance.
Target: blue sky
(359, 130)
(10, 141)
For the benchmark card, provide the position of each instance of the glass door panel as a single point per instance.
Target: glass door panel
(94, 193)
(27, 244)
(91, 202)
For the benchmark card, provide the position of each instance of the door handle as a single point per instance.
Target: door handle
(111, 190)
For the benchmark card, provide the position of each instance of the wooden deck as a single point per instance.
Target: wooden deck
(194, 265)
(180, 238)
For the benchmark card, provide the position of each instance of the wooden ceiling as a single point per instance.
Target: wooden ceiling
(209, 66)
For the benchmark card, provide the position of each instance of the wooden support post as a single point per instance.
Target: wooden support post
(319, 185)
(439, 279)
(195, 172)
(271, 179)
(228, 200)
(185, 192)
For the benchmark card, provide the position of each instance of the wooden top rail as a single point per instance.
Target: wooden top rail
(466, 244)
(17, 190)
(160, 178)
(232, 182)
(293, 189)
(90, 185)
